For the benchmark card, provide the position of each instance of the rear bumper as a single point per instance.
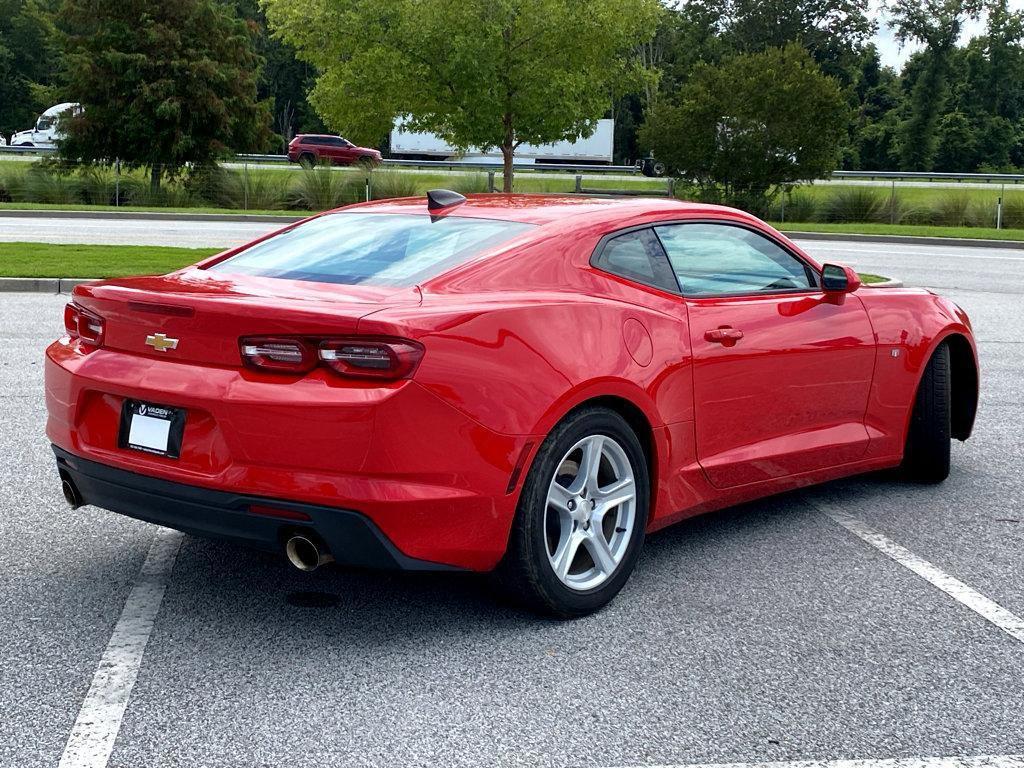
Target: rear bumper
(429, 479)
(352, 538)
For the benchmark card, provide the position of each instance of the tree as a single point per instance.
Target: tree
(957, 145)
(832, 31)
(284, 79)
(936, 24)
(162, 84)
(484, 73)
(743, 129)
(28, 62)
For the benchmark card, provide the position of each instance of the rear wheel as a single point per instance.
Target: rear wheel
(926, 455)
(581, 518)
(307, 160)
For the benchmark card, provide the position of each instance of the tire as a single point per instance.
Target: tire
(307, 160)
(926, 454)
(564, 532)
(366, 163)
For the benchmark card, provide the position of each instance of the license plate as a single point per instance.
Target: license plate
(152, 428)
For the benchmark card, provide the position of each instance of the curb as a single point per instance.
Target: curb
(41, 285)
(36, 213)
(904, 240)
(891, 283)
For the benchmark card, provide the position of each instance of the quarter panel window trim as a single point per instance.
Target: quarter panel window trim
(664, 278)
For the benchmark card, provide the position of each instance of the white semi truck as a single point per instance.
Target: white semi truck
(597, 148)
(47, 129)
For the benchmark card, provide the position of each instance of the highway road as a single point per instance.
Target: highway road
(763, 633)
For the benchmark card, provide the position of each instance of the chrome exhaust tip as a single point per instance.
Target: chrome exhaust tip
(305, 554)
(71, 493)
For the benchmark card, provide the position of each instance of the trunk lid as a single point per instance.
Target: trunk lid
(205, 314)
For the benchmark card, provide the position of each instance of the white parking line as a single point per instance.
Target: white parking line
(940, 762)
(99, 720)
(1006, 621)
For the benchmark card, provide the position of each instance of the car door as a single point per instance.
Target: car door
(781, 370)
(346, 152)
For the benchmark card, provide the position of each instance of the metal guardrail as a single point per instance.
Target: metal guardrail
(450, 165)
(933, 176)
(454, 165)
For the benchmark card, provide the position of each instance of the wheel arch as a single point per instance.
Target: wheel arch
(638, 418)
(963, 364)
(964, 384)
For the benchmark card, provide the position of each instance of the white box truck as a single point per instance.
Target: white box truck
(597, 148)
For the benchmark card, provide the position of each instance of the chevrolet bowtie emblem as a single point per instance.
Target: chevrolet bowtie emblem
(161, 343)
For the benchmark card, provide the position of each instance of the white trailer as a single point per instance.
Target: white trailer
(597, 148)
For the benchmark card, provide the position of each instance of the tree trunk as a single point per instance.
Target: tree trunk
(154, 177)
(508, 154)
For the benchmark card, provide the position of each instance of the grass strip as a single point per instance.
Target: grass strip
(50, 260)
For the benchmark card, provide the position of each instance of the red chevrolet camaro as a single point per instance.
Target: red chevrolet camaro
(521, 384)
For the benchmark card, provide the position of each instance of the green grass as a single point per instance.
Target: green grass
(868, 278)
(46, 260)
(919, 230)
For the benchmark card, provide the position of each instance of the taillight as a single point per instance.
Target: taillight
(375, 359)
(294, 356)
(362, 358)
(83, 325)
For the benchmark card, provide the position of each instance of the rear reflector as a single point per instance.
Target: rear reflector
(83, 325)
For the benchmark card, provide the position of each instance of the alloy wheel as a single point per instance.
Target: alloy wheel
(590, 514)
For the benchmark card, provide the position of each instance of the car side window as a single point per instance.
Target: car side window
(637, 256)
(717, 259)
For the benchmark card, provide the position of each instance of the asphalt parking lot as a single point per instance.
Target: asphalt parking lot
(762, 633)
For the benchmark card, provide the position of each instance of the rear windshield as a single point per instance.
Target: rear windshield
(379, 249)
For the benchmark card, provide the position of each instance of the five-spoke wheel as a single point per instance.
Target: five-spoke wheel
(582, 515)
(590, 512)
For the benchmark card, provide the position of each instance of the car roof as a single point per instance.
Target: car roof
(548, 209)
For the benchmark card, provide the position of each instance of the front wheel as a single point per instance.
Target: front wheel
(581, 519)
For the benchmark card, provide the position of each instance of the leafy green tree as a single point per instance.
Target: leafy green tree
(28, 62)
(957, 144)
(832, 31)
(936, 24)
(163, 84)
(285, 80)
(743, 129)
(484, 73)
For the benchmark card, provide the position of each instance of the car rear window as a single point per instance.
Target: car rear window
(378, 249)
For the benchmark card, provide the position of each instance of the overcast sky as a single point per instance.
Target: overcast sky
(894, 56)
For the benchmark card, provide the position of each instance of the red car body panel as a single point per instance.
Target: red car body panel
(821, 386)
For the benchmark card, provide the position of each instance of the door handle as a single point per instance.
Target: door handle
(726, 335)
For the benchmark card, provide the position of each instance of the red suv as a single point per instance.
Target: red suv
(310, 149)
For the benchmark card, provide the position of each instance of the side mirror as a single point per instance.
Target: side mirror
(839, 279)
